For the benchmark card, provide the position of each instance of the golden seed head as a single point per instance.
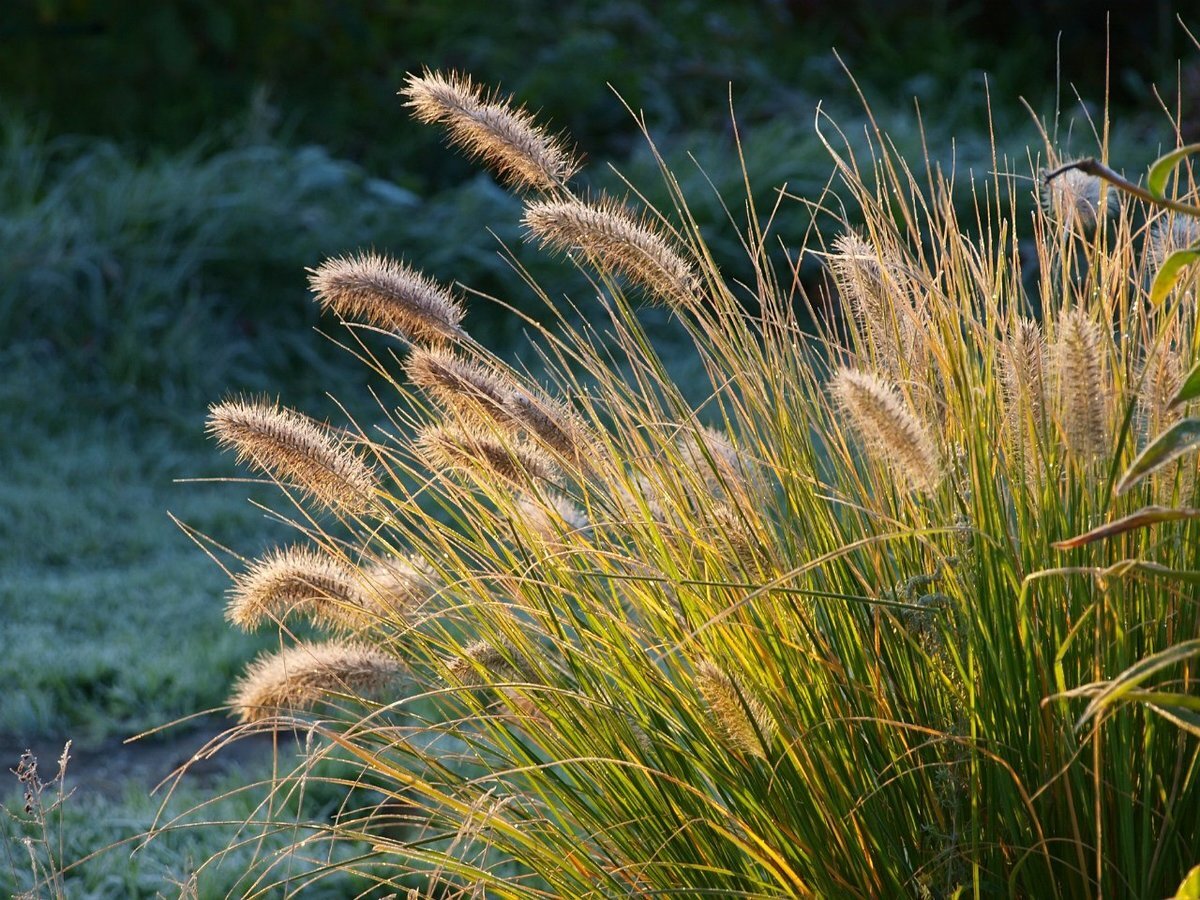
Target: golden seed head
(385, 293)
(488, 127)
(1169, 233)
(615, 239)
(888, 427)
(551, 515)
(477, 661)
(296, 678)
(712, 455)
(548, 422)
(399, 586)
(464, 387)
(298, 581)
(1083, 392)
(294, 449)
(1023, 380)
(740, 717)
(446, 448)
(1074, 198)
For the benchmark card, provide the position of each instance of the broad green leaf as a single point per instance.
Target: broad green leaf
(1190, 889)
(1177, 440)
(1169, 272)
(1143, 567)
(1148, 515)
(1190, 389)
(1128, 680)
(1180, 717)
(1160, 171)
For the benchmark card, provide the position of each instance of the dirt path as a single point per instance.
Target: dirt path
(112, 767)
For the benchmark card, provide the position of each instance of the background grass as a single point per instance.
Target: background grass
(145, 272)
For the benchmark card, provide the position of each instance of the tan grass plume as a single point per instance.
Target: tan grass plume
(1075, 198)
(400, 585)
(298, 677)
(888, 428)
(447, 448)
(1023, 379)
(550, 515)
(488, 127)
(380, 291)
(296, 450)
(1083, 391)
(885, 316)
(616, 239)
(464, 387)
(712, 455)
(741, 718)
(299, 581)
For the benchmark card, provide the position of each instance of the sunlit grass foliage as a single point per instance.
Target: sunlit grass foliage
(800, 629)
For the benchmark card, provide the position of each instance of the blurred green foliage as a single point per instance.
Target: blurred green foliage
(161, 73)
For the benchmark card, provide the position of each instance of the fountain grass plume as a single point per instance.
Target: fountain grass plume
(295, 449)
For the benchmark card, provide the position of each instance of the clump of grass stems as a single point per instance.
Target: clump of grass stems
(812, 636)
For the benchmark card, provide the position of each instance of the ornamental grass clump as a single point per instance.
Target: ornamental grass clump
(849, 605)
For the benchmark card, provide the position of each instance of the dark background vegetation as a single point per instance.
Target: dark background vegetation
(169, 168)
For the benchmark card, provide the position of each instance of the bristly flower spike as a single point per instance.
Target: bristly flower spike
(888, 427)
(296, 450)
(385, 293)
(615, 239)
(488, 127)
(297, 678)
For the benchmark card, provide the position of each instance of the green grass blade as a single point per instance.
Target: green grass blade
(1160, 171)
(1177, 440)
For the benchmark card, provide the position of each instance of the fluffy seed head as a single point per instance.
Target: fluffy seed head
(400, 585)
(549, 423)
(461, 386)
(742, 719)
(712, 455)
(1170, 233)
(478, 660)
(298, 581)
(447, 448)
(1074, 198)
(888, 323)
(295, 450)
(387, 294)
(1022, 376)
(615, 239)
(550, 515)
(488, 127)
(888, 427)
(1082, 391)
(294, 679)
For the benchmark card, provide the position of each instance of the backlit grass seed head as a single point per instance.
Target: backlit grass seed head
(446, 448)
(886, 304)
(1170, 233)
(298, 581)
(1023, 379)
(712, 455)
(549, 423)
(296, 450)
(888, 427)
(489, 128)
(400, 585)
(479, 660)
(461, 386)
(1074, 198)
(297, 678)
(551, 515)
(385, 293)
(1082, 390)
(615, 239)
(740, 718)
